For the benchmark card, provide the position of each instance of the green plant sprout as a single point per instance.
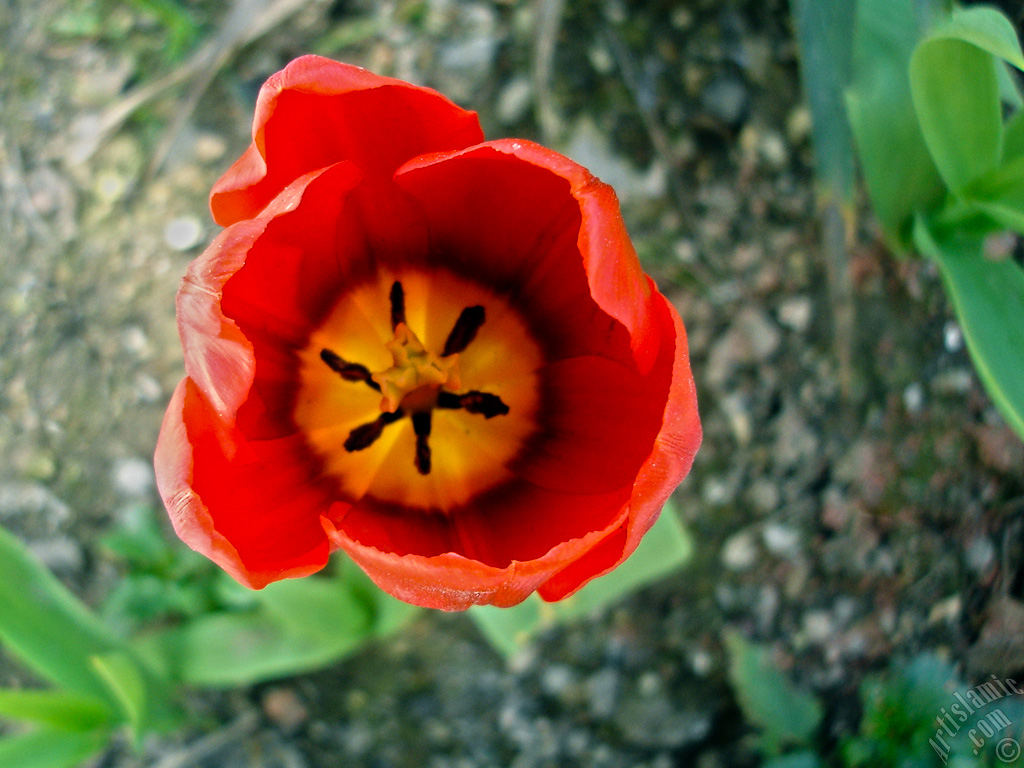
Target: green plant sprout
(176, 621)
(933, 105)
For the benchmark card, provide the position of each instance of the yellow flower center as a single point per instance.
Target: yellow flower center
(416, 374)
(419, 389)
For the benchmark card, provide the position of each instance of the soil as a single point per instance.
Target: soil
(848, 519)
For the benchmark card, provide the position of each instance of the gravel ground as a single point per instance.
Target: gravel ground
(847, 521)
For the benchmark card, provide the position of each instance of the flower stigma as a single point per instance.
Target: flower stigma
(435, 394)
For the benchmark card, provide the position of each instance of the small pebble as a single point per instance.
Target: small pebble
(514, 100)
(773, 150)
(980, 554)
(781, 540)
(947, 610)
(183, 233)
(133, 476)
(795, 313)
(913, 398)
(739, 552)
(285, 709)
(818, 626)
(953, 337)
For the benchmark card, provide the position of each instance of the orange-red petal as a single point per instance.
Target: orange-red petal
(253, 514)
(316, 112)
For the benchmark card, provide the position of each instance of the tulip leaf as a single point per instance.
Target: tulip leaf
(882, 118)
(124, 679)
(1000, 195)
(1013, 137)
(988, 297)
(825, 33)
(985, 28)
(47, 627)
(297, 625)
(956, 98)
(786, 715)
(49, 748)
(60, 709)
(795, 760)
(665, 548)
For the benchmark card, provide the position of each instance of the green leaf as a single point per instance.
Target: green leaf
(988, 297)
(47, 748)
(124, 679)
(898, 170)
(985, 28)
(1013, 137)
(1000, 195)
(1009, 91)
(825, 33)
(46, 626)
(666, 547)
(55, 635)
(59, 709)
(956, 97)
(796, 760)
(787, 715)
(299, 625)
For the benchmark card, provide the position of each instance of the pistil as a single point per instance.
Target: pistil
(417, 381)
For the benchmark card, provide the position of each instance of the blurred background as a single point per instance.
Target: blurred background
(857, 502)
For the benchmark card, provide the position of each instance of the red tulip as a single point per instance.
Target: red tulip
(436, 353)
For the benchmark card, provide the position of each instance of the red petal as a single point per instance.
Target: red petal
(316, 112)
(453, 582)
(219, 357)
(503, 210)
(669, 462)
(247, 507)
(601, 419)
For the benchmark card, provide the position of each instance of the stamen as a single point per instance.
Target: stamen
(474, 401)
(366, 435)
(397, 298)
(348, 371)
(464, 331)
(421, 426)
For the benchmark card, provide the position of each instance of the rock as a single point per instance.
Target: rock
(761, 333)
(763, 495)
(60, 554)
(952, 336)
(739, 551)
(750, 339)
(133, 477)
(652, 722)
(913, 398)
(602, 690)
(999, 447)
(183, 233)
(795, 313)
(284, 708)
(726, 99)
(781, 540)
(1000, 647)
(738, 412)
(515, 100)
(957, 381)
(795, 442)
(818, 626)
(980, 554)
(31, 500)
(591, 148)
(772, 149)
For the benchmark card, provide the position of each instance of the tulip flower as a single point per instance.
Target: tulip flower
(437, 353)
